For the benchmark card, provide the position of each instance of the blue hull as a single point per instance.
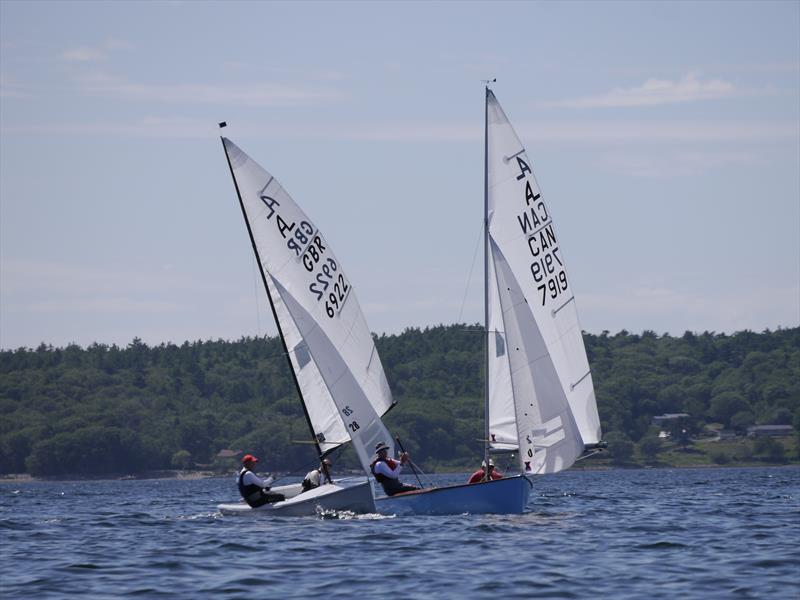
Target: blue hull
(502, 496)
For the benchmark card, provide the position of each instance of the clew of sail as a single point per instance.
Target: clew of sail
(532, 315)
(332, 352)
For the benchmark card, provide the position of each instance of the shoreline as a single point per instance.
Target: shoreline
(12, 478)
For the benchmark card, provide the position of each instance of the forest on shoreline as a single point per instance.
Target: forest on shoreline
(126, 410)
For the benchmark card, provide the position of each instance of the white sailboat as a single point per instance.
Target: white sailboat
(333, 359)
(539, 396)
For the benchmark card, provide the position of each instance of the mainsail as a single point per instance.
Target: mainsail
(541, 399)
(333, 356)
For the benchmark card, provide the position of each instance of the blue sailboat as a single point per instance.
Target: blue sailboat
(500, 496)
(539, 398)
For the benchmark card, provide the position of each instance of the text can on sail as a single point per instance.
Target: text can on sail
(539, 398)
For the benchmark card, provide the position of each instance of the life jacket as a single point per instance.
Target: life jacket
(310, 485)
(250, 492)
(389, 484)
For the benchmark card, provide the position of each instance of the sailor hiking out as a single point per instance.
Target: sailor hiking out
(387, 471)
(253, 489)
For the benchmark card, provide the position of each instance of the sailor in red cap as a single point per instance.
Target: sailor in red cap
(253, 489)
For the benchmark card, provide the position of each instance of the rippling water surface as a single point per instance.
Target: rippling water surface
(683, 533)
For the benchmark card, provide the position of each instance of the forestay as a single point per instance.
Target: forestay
(541, 398)
(331, 349)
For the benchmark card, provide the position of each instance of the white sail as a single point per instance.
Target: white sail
(332, 352)
(502, 412)
(554, 404)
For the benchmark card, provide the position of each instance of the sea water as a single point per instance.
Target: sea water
(678, 533)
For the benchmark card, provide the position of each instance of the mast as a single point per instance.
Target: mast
(486, 280)
(272, 306)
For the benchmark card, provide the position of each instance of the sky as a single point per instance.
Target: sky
(665, 137)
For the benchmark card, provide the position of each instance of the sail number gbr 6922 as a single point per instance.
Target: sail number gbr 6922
(547, 268)
(329, 285)
(329, 282)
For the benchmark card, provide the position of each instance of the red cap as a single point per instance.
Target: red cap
(249, 458)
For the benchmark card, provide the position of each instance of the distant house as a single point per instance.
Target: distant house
(226, 459)
(669, 418)
(727, 434)
(225, 453)
(769, 430)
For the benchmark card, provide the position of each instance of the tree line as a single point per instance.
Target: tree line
(109, 409)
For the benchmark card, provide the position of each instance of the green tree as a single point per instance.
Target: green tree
(742, 420)
(720, 457)
(182, 459)
(207, 395)
(620, 447)
(726, 404)
(769, 449)
(796, 425)
(650, 445)
(94, 450)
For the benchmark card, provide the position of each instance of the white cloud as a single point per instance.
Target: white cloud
(92, 54)
(82, 54)
(659, 131)
(120, 304)
(241, 94)
(655, 92)
(65, 281)
(685, 163)
(581, 133)
(11, 89)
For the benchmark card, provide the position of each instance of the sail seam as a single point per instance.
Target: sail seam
(535, 231)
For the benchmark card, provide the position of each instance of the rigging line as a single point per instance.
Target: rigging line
(256, 296)
(427, 477)
(469, 277)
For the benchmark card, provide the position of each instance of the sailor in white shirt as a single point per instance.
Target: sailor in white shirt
(318, 476)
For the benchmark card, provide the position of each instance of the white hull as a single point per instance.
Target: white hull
(356, 498)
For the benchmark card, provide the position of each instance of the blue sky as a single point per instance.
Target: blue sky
(665, 137)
